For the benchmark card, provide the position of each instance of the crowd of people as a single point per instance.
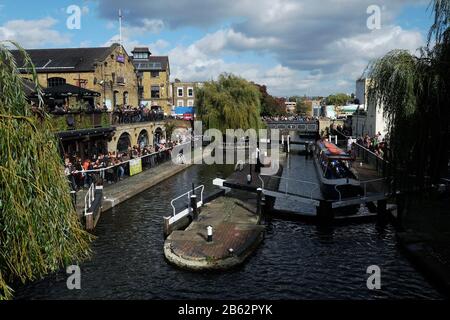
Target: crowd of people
(377, 144)
(121, 114)
(129, 114)
(289, 118)
(111, 167)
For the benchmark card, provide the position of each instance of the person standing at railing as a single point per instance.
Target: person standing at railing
(119, 169)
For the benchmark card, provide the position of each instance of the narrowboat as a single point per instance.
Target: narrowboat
(337, 179)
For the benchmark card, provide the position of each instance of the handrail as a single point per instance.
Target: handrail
(202, 187)
(89, 198)
(125, 162)
(362, 183)
(317, 186)
(364, 148)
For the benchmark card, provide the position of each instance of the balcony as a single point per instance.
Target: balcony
(80, 120)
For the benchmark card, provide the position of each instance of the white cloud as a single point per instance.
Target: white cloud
(33, 33)
(319, 46)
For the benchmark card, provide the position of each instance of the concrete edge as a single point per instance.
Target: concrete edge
(204, 265)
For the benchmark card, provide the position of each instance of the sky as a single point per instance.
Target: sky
(294, 47)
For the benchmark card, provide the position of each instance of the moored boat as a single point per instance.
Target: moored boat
(337, 179)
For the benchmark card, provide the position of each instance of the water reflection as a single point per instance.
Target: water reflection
(297, 260)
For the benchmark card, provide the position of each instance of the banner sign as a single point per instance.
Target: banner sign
(135, 167)
(120, 58)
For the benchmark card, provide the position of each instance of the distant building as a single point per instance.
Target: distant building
(154, 79)
(330, 111)
(291, 106)
(369, 118)
(361, 94)
(184, 96)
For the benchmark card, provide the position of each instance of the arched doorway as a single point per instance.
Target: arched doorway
(158, 135)
(143, 139)
(124, 142)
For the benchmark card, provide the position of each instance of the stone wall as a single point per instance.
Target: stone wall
(134, 130)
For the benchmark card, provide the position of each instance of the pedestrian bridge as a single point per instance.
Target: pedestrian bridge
(303, 132)
(302, 127)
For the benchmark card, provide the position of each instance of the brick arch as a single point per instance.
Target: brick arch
(143, 137)
(124, 141)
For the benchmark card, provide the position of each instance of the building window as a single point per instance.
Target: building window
(140, 55)
(125, 98)
(180, 103)
(155, 92)
(82, 83)
(155, 74)
(190, 103)
(190, 92)
(55, 81)
(180, 92)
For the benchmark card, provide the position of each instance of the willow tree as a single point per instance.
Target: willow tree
(39, 228)
(230, 102)
(414, 93)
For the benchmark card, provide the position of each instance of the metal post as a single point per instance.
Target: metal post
(209, 232)
(288, 143)
(325, 211)
(167, 230)
(194, 207)
(381, 207)
(74, 198)
(258, 203)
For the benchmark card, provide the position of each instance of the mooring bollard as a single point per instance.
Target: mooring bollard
(73, 193)
(209, 231)
(167, 229)
(194, 207)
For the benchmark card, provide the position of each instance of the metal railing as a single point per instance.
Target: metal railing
(363, 185)
(89, 198)
(369, 157)
(148, 161)
(176, 216)
(286, 185)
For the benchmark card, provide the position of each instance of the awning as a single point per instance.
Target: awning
(183, 110)
(68, 90)
(84, 133)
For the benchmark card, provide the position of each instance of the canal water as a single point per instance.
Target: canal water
(296, 260)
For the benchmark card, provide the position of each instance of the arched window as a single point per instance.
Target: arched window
(143, 139)
(55, 81)
(124, 142)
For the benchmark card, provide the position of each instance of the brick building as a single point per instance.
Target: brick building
(106, 70)
(154, 79)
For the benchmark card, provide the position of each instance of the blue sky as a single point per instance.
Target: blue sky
(295, 47)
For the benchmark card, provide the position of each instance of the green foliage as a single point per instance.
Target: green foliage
(270, 106)
(338, 99)
(229, 103)
(170, 127)
(415, 96)
(39, 228)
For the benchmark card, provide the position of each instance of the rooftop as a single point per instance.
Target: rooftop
(65, 59)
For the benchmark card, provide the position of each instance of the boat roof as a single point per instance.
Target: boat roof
(332, 151)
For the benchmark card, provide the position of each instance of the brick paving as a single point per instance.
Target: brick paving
(235, 226)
